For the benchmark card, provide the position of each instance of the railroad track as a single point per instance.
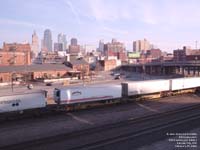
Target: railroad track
(49, 111)
(113, 133)
(124, 137)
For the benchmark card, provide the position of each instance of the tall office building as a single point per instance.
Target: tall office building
(136, 46)
(47, 41)
(58, 47)
(114, 40)
(62, 40)
(35, 44)
(141, 45)
(74, 48)
(74, 41)
(101, 46)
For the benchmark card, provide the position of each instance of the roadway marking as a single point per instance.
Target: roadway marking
(80, 119)
(146, 107)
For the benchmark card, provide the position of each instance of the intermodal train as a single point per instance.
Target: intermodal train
(75, 97)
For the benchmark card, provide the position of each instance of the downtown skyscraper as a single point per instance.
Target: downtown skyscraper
(62, 40)
(74, 41)
(35, 44)
(47, 41)
(141, 45)
(101, 46)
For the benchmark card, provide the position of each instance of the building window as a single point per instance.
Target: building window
(45, 75)
(58, 74)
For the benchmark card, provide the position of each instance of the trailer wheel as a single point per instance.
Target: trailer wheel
(21, 112)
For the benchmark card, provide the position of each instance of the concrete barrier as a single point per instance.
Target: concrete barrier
(9, 83)
(59, 80)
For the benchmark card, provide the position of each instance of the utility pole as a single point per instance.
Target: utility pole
(12, 62)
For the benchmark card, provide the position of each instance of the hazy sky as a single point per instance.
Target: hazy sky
(169, 24)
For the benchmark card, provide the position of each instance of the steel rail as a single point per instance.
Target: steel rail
(193, 111)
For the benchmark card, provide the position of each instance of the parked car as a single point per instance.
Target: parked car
(49, 84)
(117, 77)
(112, 73)
(30, 86)
(117, 74)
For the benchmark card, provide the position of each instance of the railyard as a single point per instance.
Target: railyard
(92, 128)
(20, 134)
(104, 75)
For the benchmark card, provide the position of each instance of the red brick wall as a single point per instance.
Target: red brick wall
(5, 77)
(74, 49)
(122, 56)
(109, 64)
(15, 54)
(193, 57)
(16, 47)
(14, 58)
(115, 49)
(86, 68)
(154, 53)
(179, 55)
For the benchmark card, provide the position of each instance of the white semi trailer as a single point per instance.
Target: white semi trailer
(154, 86)
(144, 87)
(74, 95)
(185, 83)
(21, 101)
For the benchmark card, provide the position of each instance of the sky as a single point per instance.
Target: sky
(168, 24)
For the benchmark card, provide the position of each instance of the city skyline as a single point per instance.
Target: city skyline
(167, 24)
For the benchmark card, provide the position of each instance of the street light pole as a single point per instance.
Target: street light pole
(196, 58)
(12, 81)
(12, 63)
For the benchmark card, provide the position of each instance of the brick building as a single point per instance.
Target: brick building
(115, 49)
(51, 58)
(79, 67)
(179, 55)
(194, 55)
(144, 59)
(33, 72)
(49, 71)
(108, 64)
(193, 58)
(167, 57)
(154, 53)
(74, 49)
(15, 54)
(186, 54)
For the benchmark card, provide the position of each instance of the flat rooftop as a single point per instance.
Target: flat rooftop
(34, 68)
